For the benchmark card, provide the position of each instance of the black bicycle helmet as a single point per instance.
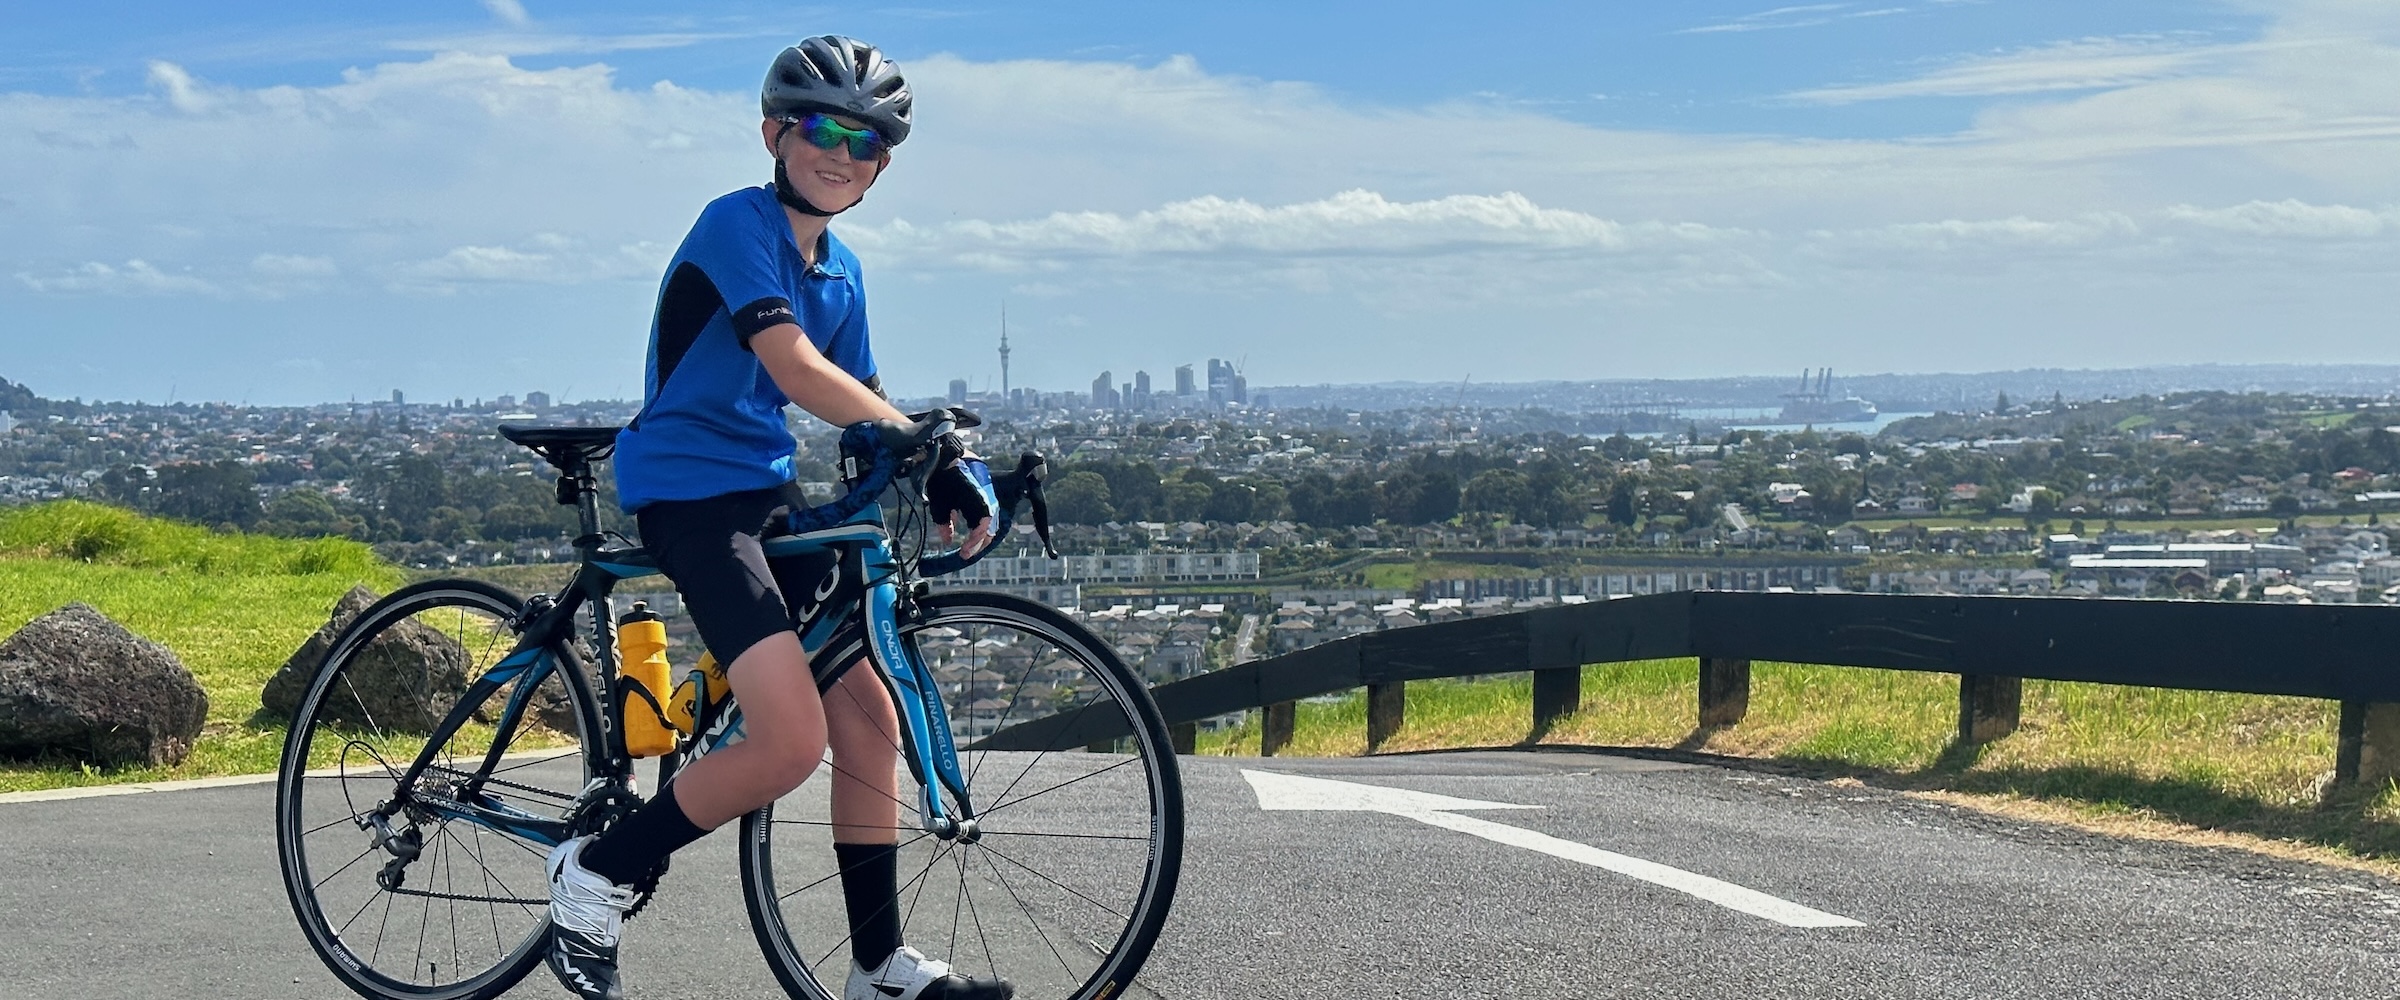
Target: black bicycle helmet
(830, 74)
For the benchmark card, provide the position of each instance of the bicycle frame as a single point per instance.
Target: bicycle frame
(864, 588)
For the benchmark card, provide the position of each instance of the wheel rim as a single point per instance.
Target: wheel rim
(1075, 846)
(464, 916)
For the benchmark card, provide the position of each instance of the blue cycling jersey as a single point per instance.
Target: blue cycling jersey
(712, 420)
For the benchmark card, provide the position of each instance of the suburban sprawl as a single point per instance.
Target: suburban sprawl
(1206, 523)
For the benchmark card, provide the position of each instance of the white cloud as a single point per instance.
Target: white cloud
(511, 12)
(183, 92)
(2293, 218)
(1350, 224)
(284, 265)
(546, 259)
(2083, 64)
(1796, 16)
(134, 277)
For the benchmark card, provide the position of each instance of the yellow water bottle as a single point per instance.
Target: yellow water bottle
(685, 704)
(641, 682)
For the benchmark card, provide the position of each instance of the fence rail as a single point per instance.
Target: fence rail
(2345, 653)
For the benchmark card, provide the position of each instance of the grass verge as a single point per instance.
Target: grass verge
(2144, 761)
(231, 607)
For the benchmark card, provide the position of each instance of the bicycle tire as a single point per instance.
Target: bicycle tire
(1132, 933)
(311, 803)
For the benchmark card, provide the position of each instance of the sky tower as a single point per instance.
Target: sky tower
(1004, 394)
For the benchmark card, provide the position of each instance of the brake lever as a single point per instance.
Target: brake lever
(1032, 468)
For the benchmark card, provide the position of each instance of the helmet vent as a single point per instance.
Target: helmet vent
(825, 70)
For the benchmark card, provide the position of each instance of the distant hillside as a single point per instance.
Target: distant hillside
(1894, 392)
(20, 400)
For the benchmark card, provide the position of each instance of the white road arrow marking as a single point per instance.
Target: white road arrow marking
(1293, 792)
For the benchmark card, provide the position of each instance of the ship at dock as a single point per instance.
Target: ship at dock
(1816, 404)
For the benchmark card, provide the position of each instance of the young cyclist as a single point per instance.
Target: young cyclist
(761, 306)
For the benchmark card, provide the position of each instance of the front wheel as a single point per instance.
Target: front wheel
(1063, 886)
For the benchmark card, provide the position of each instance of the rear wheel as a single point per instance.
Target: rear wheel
(1063, 885)
(397, 889)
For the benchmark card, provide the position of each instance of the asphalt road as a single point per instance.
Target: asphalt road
(175, 894)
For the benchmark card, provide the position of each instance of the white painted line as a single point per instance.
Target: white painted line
(1722, 893)
(187, 784)
(1296, 792)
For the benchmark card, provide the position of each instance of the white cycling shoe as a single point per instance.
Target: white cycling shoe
(587, 913)
(908, 975)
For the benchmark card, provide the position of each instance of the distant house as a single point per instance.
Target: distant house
(1914, 505)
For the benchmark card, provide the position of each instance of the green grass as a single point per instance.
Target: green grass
(1409, 575)
(2244, 764)
(231, 607)
(2136, 422)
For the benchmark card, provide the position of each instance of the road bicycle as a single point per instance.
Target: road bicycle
(454, 732)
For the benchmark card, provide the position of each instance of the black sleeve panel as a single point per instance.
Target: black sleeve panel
(686, 306)
(750, 319)
(874, 384)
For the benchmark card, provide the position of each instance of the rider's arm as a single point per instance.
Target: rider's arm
(814, 383)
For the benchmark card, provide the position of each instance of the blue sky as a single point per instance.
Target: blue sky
(293, 202)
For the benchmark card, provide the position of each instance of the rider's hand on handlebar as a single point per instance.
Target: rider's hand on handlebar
(977, 537)
(962, 490)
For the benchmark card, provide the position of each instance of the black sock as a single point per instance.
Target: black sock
(871, 890)
(637, 843)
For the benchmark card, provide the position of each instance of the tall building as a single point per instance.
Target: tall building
(1104, 394)
(958, 391)
(1004, 393)
(1226, 384)
(1137, 393)
(1183, 380)
(1141, 382)
(398, 398)
(537, 400)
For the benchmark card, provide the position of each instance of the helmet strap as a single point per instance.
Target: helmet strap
(790, 196)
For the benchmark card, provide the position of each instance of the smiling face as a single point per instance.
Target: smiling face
(828, 178)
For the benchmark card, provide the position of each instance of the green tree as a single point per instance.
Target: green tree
(1622, 501)
(1080, 497)
(1496, 493)
(214, 493)
(306, 513)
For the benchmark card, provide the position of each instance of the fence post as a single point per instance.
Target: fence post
(1185, 736)
(2369, 747)
(1387, 707)
(1275, 728)
(1557, 693)
(1988, 706)
(1724, 690)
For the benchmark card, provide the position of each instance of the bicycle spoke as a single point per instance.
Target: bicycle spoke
(959, 900)
(917, 881)
(1020, 800)
(345, 867)
(1063, 730)
(1003, 855)
(841, 872)
(1067, 836)
(1035, 923)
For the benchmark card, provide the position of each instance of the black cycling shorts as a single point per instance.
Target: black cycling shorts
(710, 549)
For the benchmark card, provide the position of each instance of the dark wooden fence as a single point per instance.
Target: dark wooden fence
(2345, 653)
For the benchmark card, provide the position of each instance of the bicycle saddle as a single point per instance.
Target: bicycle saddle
(565, 447)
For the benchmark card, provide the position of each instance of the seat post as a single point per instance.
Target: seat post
(578, 488)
